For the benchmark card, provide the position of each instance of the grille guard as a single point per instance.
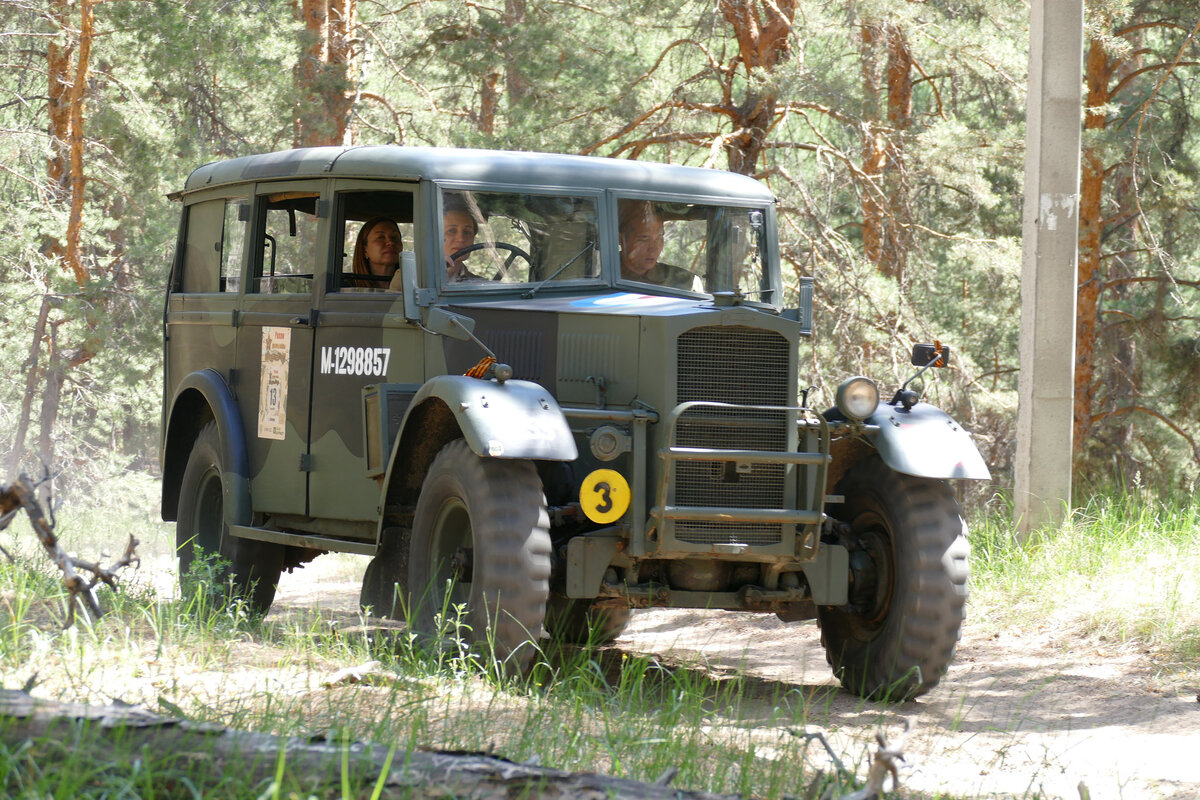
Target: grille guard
(798, 519)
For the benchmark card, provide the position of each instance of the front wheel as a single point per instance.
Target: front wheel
(250, 567)
(478, 555)
(908, 584)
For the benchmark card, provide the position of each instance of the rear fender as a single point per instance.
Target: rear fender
(202, 396)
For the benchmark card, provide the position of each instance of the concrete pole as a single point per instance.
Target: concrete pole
(1042, 490)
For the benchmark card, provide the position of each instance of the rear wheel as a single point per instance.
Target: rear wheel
(250, 567)
(908, 563)
(574, 622)
(478, 554)
(384, 583)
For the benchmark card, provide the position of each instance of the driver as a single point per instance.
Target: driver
(642, 240)
(458, 232)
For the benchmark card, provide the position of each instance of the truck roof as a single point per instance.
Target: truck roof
(479, 166)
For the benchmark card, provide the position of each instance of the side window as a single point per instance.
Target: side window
(288, 246)
(376, 229)
(202, 247)
(216, 235)
(691, 246)
(491, 238)
(233, 243)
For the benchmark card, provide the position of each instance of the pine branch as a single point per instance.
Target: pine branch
(1157, 415)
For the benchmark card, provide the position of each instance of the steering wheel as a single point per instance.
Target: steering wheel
(513, 250)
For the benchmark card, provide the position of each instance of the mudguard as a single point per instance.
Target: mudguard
(926, 441)
(217, 395)
(514, 419)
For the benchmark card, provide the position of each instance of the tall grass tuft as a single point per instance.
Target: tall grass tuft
(1124, 566)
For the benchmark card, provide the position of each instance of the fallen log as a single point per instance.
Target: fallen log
(50, 734)
(53, 732)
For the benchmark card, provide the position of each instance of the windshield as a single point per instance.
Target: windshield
(511, 238)
(693, 246)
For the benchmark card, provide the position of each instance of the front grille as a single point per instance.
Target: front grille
(754, 534)
(743, 366)
(734, 364)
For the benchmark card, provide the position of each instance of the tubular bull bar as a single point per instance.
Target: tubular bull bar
(804, 455)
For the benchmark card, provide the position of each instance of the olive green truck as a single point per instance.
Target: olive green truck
(592, 407)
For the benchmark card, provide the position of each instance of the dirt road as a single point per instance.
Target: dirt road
(1017, 715)
(1021, 715)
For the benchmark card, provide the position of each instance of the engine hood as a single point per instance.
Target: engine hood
(609, 303)
(611, 348)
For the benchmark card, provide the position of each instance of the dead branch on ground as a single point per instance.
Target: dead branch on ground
(81, 590)
(886, 762)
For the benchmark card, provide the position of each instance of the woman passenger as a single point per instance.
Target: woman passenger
(377, 253)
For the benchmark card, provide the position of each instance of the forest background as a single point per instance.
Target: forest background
(892, 132)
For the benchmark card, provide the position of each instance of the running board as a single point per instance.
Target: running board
(304, 540)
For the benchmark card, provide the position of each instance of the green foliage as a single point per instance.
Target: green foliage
(174, 85)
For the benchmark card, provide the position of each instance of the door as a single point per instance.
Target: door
(275, 342)
(362, 340)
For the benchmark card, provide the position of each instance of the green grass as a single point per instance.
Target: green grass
(1123, 568)
(624, 715)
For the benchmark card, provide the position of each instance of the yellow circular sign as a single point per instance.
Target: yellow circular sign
(604, 496)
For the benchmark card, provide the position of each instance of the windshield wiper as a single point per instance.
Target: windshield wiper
(558, 271)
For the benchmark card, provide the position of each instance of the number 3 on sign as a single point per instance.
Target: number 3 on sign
(604, 496)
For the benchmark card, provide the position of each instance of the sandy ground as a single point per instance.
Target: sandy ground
(1021, 713)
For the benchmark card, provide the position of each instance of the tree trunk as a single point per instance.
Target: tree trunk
(514, 82)
(900, 100)
(1091, 227)
(887, 219)
(489, 102)
(78, 181)
(58, 110)
(322, 76)
(51, 396)
(31, 388)
(874, 145)
(763, 30)
(343, 16)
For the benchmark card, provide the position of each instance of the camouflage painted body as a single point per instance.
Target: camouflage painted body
(332, 402)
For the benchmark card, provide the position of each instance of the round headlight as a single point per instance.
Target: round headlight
(857, 398)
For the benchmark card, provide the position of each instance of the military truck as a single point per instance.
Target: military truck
(592, 407)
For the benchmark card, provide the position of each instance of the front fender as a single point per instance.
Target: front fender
(926, 441)
(514, 419)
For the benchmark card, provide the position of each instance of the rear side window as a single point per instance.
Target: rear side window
(287, 249)
(213, 248)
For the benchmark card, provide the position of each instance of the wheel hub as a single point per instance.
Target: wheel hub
(870, 576)
(462, 565)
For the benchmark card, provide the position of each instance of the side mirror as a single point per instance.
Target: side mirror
(447, 323)
(456, 326)
(931, 355)
(408, 283)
